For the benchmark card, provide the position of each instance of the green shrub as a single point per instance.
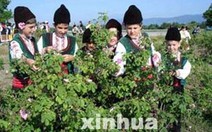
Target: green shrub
(58, 102)
(1, 64)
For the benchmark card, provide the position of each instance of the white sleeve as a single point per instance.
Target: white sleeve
(40, 45)
(76, 48)
(15, 50)
(118, 58)
(155, 57)
(183, 73)
(188, 35)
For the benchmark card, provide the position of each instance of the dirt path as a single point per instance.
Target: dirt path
(5, 75)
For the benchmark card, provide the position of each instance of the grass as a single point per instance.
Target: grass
(5, 75)
(4, 49)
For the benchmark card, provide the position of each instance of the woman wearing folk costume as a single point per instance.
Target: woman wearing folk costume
(23, 46)
(133, 41)
(59, 40)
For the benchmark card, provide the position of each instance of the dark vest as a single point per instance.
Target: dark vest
(70, 49)
(181, 64)
(130, 46)
(25, 50)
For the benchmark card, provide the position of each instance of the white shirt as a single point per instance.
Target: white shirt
(185, 71)
(185, 34)
(121, 51)
(57, 42)
(16, 51)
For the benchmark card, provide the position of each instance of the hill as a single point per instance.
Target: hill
(179, 19)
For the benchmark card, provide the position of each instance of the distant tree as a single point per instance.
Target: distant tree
(202, 25)
(165, 25)
(208, 16)
(144, 27)
(176, 24)
(153, 26)
(192, 24)
(5, 14)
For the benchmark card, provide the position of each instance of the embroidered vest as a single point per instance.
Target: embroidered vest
(128, 45)
(131, 47)
(25, 50)
(177, 82)
(70, 49)
(21, 80)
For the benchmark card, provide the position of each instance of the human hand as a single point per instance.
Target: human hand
(31, 63)
(156, 58)
(49, 49)
(172, 73)
(68, 58)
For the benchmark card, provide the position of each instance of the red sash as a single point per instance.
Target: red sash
(176, 82)
(64, 68)
(19, 83)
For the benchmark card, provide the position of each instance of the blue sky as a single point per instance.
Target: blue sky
(86, 10)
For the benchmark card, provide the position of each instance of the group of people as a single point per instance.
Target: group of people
(24, 46)
(44, 26)
(77, 29)
(6, 32)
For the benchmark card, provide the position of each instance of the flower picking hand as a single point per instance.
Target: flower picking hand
(174, 73)
(49, 49)
(31, 62)
(68, 58)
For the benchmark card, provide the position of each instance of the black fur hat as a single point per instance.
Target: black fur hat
(86, 38)
(113, 23)
(22, 14)
(173, 34)
(62, 15)
(133, 16)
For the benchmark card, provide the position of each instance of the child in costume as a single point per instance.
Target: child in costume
(134, 41)
(115, 29)
(59, 40)
(183, 66)
(180, 64)
(89, 44)
(23, 46)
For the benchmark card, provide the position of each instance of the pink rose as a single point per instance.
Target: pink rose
(21, 25)
(119, 61)
(23, 114)
(156, 60)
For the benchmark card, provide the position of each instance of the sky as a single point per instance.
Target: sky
(86, 10)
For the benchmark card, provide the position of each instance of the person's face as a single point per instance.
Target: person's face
(114, 38)
(61, 29)
(133, 30)
(29, 29)
(172, 46)
(90, 46)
